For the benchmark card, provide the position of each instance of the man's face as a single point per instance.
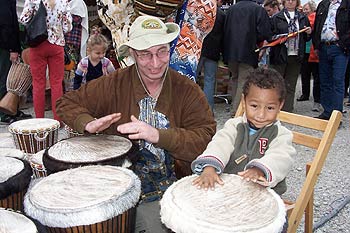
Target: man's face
(152, 62)
(290, 5)
(261, 106)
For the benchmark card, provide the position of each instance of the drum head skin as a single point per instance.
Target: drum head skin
(6, 141)
(237, 206)
(34, 125)
(87, 150)
(82, 196)
(14, 222)
(11, 152)
(15, 175)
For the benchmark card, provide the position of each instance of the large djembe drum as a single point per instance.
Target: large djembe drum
(237, 206)
(88, 150)
(15, 176)
(19, 80)
(33, 135)
(85, 199)
(15, 222)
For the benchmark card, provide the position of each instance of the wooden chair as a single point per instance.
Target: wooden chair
(322, 144)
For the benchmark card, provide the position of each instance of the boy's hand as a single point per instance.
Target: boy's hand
(255, 175)
(207, 179)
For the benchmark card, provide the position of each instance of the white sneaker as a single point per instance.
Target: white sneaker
(316, 107)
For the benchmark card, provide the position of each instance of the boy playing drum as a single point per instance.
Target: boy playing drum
(255, 146)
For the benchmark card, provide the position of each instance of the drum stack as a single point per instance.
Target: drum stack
(78, 184)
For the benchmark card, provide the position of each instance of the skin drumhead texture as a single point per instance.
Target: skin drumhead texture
(237, 206)
(13, 222)
(9, 167)
(89, 149)
(82, 196)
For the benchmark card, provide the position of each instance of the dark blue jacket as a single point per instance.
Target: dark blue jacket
(213, 42)
(246, 25)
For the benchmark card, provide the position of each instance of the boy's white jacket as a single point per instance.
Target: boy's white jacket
(275, 163)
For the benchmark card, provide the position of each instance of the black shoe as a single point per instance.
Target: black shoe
(21, 115)
(7, 119)
(323, 117)
(303, 98)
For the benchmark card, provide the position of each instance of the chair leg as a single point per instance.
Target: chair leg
(309, 210)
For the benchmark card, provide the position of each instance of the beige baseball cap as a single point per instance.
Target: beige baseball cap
(148, 31)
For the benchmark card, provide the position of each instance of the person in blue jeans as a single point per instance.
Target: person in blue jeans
(211, 50)
(332, 41)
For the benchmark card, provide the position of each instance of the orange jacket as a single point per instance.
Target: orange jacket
(313, 56)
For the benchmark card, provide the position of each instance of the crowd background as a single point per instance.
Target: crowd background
(213, 56)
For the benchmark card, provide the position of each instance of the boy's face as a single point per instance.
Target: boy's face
(262, 106)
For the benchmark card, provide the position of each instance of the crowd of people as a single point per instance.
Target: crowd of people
(167, 115)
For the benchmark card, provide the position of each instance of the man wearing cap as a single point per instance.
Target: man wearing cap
(163, 112)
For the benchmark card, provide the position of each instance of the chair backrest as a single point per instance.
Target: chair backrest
(320, 143)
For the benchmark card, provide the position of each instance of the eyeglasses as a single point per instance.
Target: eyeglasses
(147, 56)
(291, 0)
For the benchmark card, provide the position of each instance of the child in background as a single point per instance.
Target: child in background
(255, 146)
(95, 64)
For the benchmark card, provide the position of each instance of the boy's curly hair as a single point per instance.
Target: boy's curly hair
(265, 79)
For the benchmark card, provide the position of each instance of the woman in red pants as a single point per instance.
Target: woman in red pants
(49, 53)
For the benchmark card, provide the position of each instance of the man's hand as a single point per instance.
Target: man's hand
(207, 179)
(102, 123)
(308, 31)
(139, 130)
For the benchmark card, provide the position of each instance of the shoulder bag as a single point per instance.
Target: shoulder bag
(36, 28)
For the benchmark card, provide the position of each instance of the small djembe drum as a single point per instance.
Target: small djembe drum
(19, 80)
(33, 135)
(15, 222)
(15, 176)
(237, 206)
(85, 199)
(88, 150)
(36, 162)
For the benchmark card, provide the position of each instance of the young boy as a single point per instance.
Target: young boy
(255, 146)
